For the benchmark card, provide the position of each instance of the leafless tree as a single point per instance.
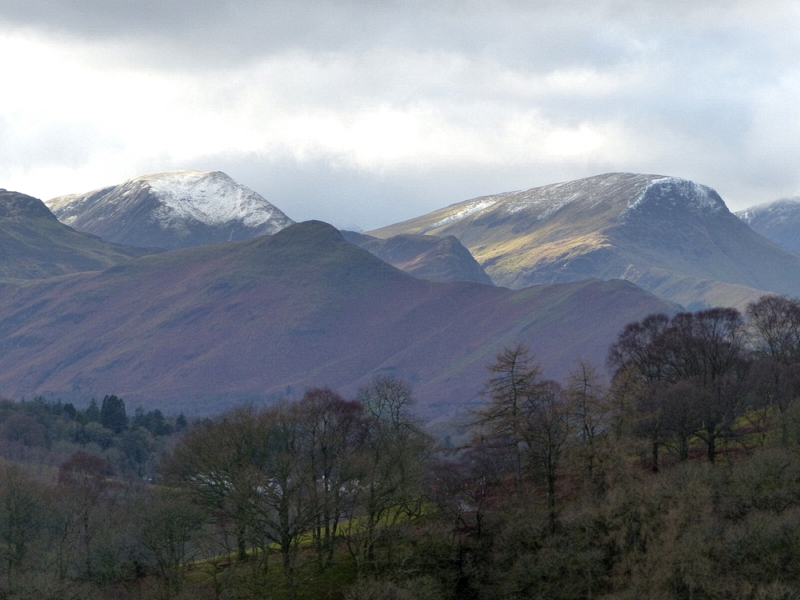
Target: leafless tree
(391, 468)
(705, 352)
(513, 376)
(334, 432)
(774, 325)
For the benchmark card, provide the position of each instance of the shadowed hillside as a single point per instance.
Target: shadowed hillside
(199, 329)
(424, 256)
(777, 221)
(34, 245)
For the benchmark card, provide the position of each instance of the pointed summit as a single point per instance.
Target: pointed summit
(175, 209)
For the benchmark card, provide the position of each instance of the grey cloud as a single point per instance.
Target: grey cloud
(694, 112)
(531, 36)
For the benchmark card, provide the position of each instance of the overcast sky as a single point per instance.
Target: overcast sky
(366, 112)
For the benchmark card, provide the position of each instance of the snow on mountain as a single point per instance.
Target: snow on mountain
(174, 209)
(471, 207)
(622, 194)
(211, 198)
(676, 191)
(669, 235)
(778, 211)
(778, 221)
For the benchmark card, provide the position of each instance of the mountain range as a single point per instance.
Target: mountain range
(199, 329)
(186, 209)
(670, 236)
(291, 305)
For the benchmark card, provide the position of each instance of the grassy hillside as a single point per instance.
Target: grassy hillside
(34, 245)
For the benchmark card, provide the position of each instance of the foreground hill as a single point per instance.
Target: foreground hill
(669, 235)
(197, 330)
(424, 256)
(176, 209)
(777, 221)
(34, 245)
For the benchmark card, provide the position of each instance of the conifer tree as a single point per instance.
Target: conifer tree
(112, 414)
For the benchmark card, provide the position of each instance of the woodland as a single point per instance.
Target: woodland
(677, 476)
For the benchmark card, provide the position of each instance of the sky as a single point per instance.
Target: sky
(364, 113)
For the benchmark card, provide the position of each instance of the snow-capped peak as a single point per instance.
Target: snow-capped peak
(210, 198)
(676, 191)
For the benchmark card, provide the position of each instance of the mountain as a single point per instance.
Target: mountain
(777, 221)
(34, 245)
(200, 329)
(424, 256)
(176, 209)
(668, 235)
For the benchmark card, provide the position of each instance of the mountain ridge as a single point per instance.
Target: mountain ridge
(198, 329)
(617, 225)
(778, 221)
(171, 209)
(424, 256)
(35, 245)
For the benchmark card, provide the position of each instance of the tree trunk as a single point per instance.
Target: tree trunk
(712, 446)
(654, 464)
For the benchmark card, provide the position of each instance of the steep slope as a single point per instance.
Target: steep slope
(34, 245)
(777, 221)
(424, 256)
(176, 209)
(199, 329)
(664, 233)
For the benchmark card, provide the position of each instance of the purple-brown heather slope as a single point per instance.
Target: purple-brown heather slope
(197, 330)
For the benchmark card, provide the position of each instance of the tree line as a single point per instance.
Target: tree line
(43, 434)
(678, 476)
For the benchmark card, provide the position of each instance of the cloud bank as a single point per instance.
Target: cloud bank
(363, 113)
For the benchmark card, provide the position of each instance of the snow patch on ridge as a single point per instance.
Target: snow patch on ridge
(473, 207)
(72, 202)
(210, 198)
(590, 192)
(615, 195)
(695, 197)
(535, 197)
(549, 196)
(778, 211)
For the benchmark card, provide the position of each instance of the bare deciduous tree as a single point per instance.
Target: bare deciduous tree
(513, 376)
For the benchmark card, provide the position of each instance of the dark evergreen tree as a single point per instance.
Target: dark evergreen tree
(181, 423)
(69, 411)
(92, 413)
(112, 414)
